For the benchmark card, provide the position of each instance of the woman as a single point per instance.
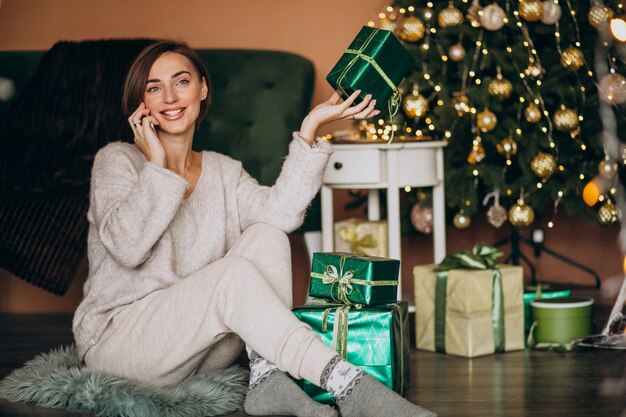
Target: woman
(188, 254)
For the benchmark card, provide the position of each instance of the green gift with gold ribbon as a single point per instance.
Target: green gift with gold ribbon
(468, 305)
(348, 278)
(375, 63)
(375, 339)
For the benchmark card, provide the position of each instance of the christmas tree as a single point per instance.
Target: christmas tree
(511, 86)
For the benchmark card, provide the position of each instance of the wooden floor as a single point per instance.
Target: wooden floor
(526, 383)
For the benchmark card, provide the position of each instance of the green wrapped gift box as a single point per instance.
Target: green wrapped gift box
(353, 279)
(376, 339)
(545, 293)
(375, 63)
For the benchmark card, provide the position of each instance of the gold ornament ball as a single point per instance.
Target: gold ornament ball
(573, 58)
(473, 14)
(450, 16)
(507, 147)
(500, 88)
(477, 154)
(565, 119)
(388, 24)
(461, 220)
(496, 215)
(456, 52)
(415, 105)
(551, 12)
(534, 71)
(521, 214)
(543, 165)
(486, 121)
(422, 218)
(492, 17)
(530, 10)
(412, 29)
(607, 168)
(607, 214)
(599, 14)
(532, 113)
(461, 104)
(612, 89)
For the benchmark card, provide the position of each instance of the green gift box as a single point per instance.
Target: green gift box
(542, 292)
(354, 279)
(375, 339)
(375, 63)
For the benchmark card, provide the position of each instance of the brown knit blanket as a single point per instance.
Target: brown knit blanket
(48, 139)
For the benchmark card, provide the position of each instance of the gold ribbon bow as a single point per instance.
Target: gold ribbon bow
(349, 235)
(344, 279)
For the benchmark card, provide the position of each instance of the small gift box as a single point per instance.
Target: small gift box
(468, 306)
(375, 339)
(375, 63)
(362, 237)
(540, 292)
(353, 279)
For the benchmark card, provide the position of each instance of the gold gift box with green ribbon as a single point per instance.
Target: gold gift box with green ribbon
(362, 237)
(469, 306)
(375, 339)
(375, 63)
(348, 278)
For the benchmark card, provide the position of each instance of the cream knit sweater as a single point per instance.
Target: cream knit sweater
(145, 236)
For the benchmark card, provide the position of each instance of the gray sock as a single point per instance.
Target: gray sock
(360, 395)
(272, 392)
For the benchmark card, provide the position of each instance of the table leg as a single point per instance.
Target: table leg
(327, 218)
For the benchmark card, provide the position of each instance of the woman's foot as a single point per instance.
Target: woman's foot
(273, 392)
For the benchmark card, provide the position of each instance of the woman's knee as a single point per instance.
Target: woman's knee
(266, 235)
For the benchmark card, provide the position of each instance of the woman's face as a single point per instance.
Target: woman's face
(173, 93)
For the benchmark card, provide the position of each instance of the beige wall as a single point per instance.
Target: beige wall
(318, 30)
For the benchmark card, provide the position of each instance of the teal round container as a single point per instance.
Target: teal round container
(560, 320)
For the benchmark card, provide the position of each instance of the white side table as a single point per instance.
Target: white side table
(391, 167)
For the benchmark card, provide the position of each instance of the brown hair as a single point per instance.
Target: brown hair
(135, 84)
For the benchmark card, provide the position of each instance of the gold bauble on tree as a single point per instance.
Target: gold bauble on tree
(507, 147)
(500, 88)
(461, 104)
(456, 52)
(551, 12)
(573, 58)
(450, 16)
(607, 168)
(521, 214)
(486, 120)
(492, 17)
(461, 220)
(599, 14)
(388, 24)
(607, 214)
(612, 88)
(496, 215)
(565, 119)
(422, 218)
(534, 70)
(532, 113)
(543, 165)
(530, 10)
(477, 154)
(415, 105)
(412, 29)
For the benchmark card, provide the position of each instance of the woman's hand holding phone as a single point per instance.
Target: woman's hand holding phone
(146, 138)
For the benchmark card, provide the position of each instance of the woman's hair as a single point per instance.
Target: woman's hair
(135, 84)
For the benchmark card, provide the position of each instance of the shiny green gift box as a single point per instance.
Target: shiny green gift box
(375, 63)
(376, 339)
(348, 278)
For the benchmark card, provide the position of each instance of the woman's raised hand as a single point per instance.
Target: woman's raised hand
(334, 109)
(146, 138)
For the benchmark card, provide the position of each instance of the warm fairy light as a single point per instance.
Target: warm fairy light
(613, 191)
(425, 46)
(433, 30)
(382, 15)
(437, 88)
(522, 99)
(440, 102)
(407, 189)
(473, 110)
(428, 14)
(557, 35)
(525, 43)
(509, 49)
(581, 176)
(539, 185)
(429, 4)
(408, 129)
(580, 118)
(509, 192)
(522, 75)
(478, 43)
(573, 12)
(519, 24)
(505, 20)
(370, 24)
(577, 44)
(428, 120)
(380, 131)
(402, 10)
(534, 51)
(544, 129)
(601, 198)
(381, 122)
(538, 83)
(550, 224)
(447, 134)
(475, 172)
(515, 12)
(508, 162)
(431, 127)
(545, 113)
(590, 73)
(472, 73)
(426, 76)
(583, 146)
(468, 203)
(552, 145)
(536, 101)
(518, 131)
(485, 51)
(618, 29)
(582, 88)
(561, 168)
(418, 132)
(444, 58)
(411, 8)
(560, 193)
(478, 81)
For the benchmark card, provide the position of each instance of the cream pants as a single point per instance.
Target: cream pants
(198, 324)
